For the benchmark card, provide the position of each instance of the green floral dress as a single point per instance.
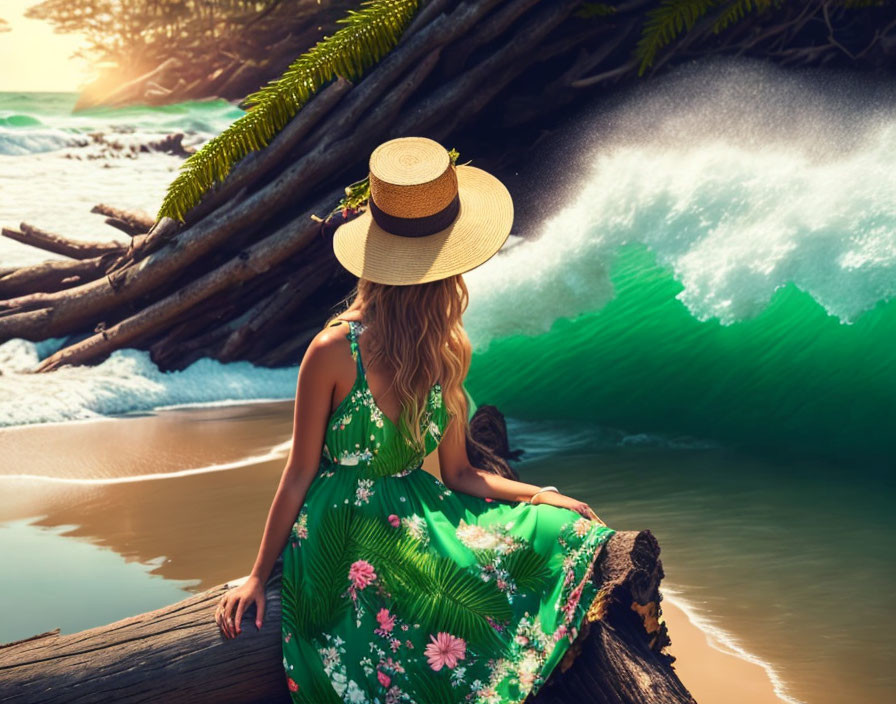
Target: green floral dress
(397, 589)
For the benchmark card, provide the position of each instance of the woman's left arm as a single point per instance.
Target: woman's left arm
(459, 475)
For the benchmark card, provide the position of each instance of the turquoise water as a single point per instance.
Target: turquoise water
(792, 561)
(89, 157)
(43, 122)
(792, 380)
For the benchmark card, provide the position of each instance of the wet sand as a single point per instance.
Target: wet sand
(185, 492)
(713, 676)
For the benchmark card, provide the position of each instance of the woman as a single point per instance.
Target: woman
(399, 586)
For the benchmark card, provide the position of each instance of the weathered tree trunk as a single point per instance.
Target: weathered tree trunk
(177, 654)
(463, 72)
(50, 242)
(134, 222)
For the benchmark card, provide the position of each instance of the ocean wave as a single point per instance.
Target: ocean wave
(724, 269)
(732, 224)
(19, 142)
(36, 123)
(126, 381)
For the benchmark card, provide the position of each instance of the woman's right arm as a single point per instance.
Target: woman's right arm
(314, 388)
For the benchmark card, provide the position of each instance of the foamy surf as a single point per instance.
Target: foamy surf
(280, 451)
(725, 642)
(731, 210)
(126, 381)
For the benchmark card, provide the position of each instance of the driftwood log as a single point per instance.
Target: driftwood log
(483, 76)
(176, 654)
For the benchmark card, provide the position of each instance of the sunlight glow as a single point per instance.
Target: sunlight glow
(35, 58)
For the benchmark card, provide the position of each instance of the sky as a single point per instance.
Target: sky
(33, 57)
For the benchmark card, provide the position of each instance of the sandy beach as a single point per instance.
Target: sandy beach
(186, 491)
(713, 676)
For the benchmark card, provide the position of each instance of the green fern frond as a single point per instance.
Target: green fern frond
(594, 9)
(369, 34)
(316, 687)
(737, 10)
(461, 603)
(664, 24)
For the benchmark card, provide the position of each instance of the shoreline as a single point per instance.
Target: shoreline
(708, 659)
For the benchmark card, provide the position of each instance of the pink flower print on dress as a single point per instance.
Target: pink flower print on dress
(572, 601)
(393, 696)
(361, 573)
(386, 621)
(394, 520)
(393, 665)
(445, 650)
(292, 684)
(494, 624)
(384, 679)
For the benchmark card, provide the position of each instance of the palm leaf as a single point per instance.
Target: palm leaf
(318, 602)
(459, 602)
(370, 33)
(594, 9)
(315, 687)
(528, 569)
(431, 687)
(431, 589)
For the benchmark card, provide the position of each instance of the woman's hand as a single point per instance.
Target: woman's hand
(556, 499)
(252, 590)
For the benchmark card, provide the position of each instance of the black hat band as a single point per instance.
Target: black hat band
(416, 227)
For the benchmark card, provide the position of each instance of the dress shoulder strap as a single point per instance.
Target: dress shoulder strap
(354, 329)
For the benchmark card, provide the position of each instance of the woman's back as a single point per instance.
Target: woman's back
(360, 431)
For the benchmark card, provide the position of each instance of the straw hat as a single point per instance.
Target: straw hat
(426, 218)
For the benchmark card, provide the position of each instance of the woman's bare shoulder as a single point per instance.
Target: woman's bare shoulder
(332, 336)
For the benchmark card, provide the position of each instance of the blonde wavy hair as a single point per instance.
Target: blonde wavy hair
(415, 331)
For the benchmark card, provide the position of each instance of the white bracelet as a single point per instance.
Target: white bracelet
(544, 488)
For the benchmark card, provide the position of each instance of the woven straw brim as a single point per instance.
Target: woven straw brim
(480, 229)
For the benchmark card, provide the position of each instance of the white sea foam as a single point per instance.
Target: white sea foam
(126, 381)
(725, 642)
(277, 452)
(759, 179)
(46, 150)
